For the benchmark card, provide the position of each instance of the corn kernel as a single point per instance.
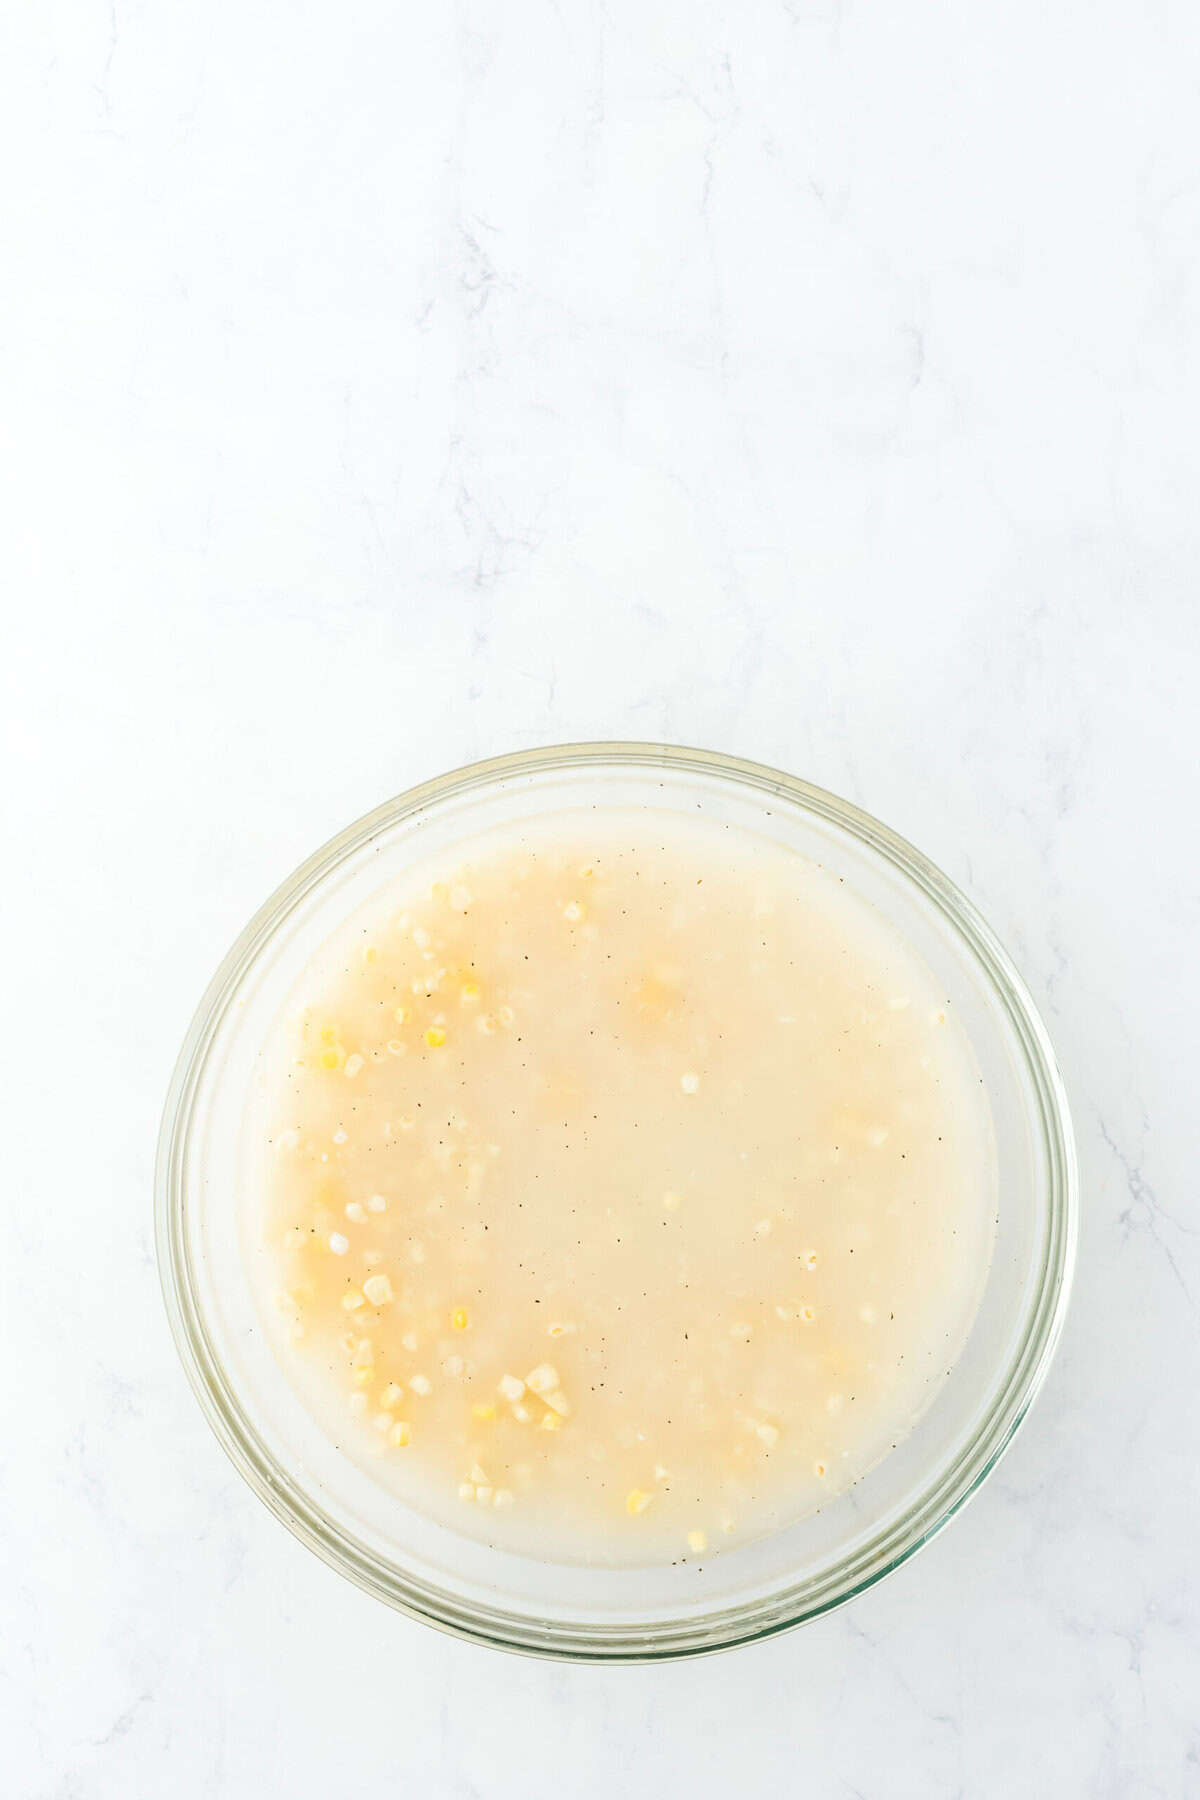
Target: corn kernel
(483, 1494)
(420, 1384)
(521, 1414)
(458, 1318)
(542, 1379)
(338, 1243)
(370, 954)
(329, 1034)
(402, 1014)
(352, 1301)
(378, 1290)
(572, 912)
(502, 1497)
(550, 1422)
(435, 1037)
(353, 1065)
(466, 1490)
(689, 1082)
(559, 1403)
(469, 992)
(365, 1375)
(510, 1387)
(697, 1542)
(483, 1411)
(391, 1396)
(400, 1436)
(637, 1500)
(330, 1059)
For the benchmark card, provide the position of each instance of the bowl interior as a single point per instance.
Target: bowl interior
(208, 1171)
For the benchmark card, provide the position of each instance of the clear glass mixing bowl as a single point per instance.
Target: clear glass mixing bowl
(554, 1609)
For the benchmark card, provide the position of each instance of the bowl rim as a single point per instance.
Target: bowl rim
(902, 1535)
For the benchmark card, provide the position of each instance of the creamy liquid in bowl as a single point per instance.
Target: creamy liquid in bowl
(630, 1188)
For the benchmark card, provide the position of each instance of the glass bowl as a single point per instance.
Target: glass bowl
(554, 1609)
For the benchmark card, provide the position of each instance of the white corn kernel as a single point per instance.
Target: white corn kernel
(510, 1387)
(542, 1379)
(338, 1244)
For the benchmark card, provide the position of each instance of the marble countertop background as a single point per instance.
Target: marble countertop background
(387, 385)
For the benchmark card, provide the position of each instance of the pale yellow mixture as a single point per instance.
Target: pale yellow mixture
(631, 1189)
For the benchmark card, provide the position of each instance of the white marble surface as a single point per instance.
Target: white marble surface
(386, 385)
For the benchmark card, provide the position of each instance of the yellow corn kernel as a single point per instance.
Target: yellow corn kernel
(370, 954)
(435, 1037)
(550, 1422)
(330, 1059)
(402, 1015)
(637, 1500)
(469, 991)
(353, 1300)
(483, 1411)
(400, 1436)
(458, 1318)
(365, 1375)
